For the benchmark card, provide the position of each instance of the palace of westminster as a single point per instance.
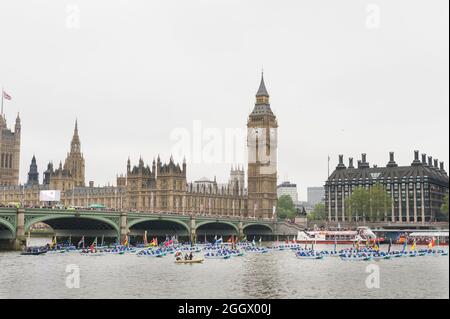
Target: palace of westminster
(159, 187)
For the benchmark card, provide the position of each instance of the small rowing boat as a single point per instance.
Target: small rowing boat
(33, 253)
(310, 256)
(193, 261)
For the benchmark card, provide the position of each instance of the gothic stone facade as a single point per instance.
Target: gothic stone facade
(9, 152)
(164, 187)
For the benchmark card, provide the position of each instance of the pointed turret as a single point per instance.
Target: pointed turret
(262, 96)
(75, 145)
(262, 91)
(33, 175)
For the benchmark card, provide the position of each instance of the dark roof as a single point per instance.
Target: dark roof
(394, 172)
(262, 91)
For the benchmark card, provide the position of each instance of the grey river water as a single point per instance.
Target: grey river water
(277, 274)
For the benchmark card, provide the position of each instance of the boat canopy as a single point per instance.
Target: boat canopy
(429, 234)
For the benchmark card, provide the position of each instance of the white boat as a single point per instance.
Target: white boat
(342, 237)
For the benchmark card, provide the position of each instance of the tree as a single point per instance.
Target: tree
(380, 202)
(358, 204)
(285, 207)
(372, 204)
(318, 213)
(444, 207)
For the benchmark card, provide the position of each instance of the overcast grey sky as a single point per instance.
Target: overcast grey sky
(342, 78)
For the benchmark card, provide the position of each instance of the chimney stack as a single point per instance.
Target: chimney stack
(363, 163)
(91, 184)
(341, 164)
(350, 163)
(436, 163)
(442, 168)
(430, 161)
(416, 161)
(392, 162)
(424, 159)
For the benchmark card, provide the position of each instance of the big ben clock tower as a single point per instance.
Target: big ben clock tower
(262, 157)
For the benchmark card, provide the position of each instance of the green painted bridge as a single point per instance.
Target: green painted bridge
(16, 223)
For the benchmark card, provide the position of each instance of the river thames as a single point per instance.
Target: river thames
(278, 274)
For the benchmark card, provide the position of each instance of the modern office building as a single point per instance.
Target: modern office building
(287, 188)
(417, 191)
(315, 195)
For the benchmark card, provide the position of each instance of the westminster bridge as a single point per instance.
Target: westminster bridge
(16, 223)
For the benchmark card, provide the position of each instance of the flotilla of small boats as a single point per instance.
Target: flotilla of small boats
(184, 253)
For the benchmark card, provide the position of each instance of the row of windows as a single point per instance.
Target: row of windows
(6, 160)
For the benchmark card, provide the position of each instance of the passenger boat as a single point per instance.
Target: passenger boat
(193, 261)
(425, 237)
(339, 237)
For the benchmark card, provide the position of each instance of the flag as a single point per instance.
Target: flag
(145, 238)
(81, 242)
(53, 244)
(125, 241)
(431, 244)
(168, 243)
(413, 246)
(93, 245)
(6, 96)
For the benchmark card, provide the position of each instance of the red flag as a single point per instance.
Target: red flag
(6, 96)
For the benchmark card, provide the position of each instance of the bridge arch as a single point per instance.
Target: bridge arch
(259, 225)
(49, 218)
(217, 222)
(7, 226)
(153, 219)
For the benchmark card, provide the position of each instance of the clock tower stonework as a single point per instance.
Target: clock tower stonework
(262, 157)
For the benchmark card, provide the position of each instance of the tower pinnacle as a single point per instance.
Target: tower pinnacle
(262, 96)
